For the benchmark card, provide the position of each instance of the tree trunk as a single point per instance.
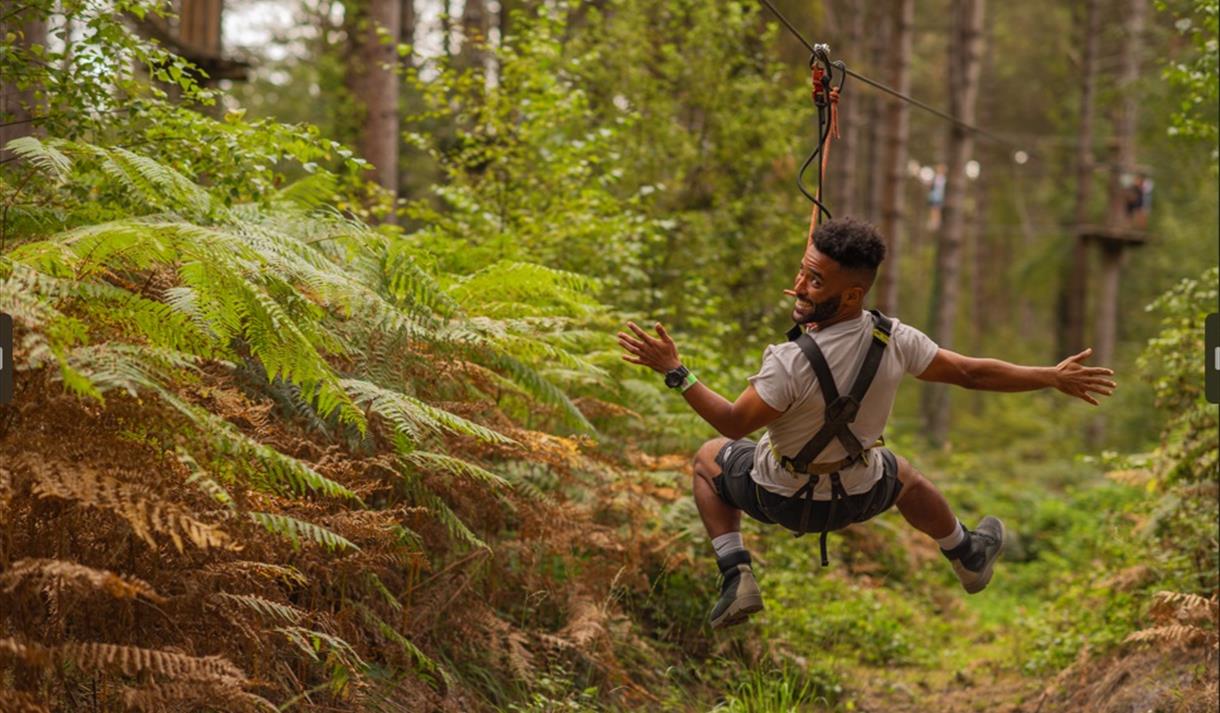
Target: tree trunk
(845, 197)
(199, 26)
(874, 153)
(373, 82)
(897, 129)
(19, 106)
(1073, 287)
(965, 53)
(1112, 254)
(475, 25)
(406, 26)
(982, 311)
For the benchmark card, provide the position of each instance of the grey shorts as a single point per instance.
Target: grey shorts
(735, 487)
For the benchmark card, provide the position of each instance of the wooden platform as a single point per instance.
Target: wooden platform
(1116, 236)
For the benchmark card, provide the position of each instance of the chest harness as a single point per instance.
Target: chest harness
(841, 410)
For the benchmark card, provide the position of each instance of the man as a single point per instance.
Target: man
(814, 472)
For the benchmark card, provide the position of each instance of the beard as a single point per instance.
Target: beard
(821, 311)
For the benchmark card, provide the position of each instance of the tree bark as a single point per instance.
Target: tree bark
(18, 106)
(965, 53)
(1073, 287)
(874, 153)
(846, 196)
(898, 131)
(475, 25)
(374, 27)
(1112, 253)
(406, 25)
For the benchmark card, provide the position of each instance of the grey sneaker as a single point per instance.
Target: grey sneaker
(739, 595)
(974, 558)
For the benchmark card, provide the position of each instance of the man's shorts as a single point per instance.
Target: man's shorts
(735, 486)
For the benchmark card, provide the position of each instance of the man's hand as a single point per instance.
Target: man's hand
(660, 355)
(1076, 379)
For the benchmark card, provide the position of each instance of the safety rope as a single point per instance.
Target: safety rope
(892, 92)
(825, 95)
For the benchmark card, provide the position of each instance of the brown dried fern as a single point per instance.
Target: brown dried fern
(224, 695)
(18, 702)
(96, 657)
(143, 510)
(1181, 620)
(40, 572)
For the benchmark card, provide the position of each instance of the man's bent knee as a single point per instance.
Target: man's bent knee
(704, 463)
(912, 480)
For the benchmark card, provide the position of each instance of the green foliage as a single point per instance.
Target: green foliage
(782, 689)
(1195, 76)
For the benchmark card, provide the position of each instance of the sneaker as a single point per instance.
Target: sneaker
(974, 558)
(739, 594)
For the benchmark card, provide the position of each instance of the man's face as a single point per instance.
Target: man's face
(820, 287)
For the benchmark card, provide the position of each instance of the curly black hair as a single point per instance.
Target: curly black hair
(854, 244)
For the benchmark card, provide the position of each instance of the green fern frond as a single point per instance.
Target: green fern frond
(295, 531)
(411, 416)
(413, 652)
(43, 156)
(200, 479)
(454, 466)
(274, 611)
(314, 642)
(310, 191)
(445, 515)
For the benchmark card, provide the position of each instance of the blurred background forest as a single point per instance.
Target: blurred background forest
(318, 406)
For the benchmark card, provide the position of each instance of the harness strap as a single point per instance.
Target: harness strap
(840, 410)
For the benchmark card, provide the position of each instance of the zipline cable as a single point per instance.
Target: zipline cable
(892, 92)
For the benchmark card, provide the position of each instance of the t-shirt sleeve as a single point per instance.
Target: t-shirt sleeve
(915, 349)
(774, 382)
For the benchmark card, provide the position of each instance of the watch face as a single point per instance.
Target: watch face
(673, 379)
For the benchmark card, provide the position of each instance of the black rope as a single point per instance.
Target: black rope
(892, 92)
(823, 106)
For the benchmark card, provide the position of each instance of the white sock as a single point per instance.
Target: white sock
(727, 543)
(958, 536)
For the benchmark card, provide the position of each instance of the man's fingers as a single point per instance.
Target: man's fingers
(633, 360)
(664, 334)
(1081, 355)
(639, 332)
(1084, 396)
(629, 343)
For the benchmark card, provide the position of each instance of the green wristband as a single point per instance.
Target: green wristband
(689, 382)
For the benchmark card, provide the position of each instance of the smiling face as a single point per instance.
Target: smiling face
(827, 292)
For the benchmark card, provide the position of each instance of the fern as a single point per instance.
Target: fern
(38, 572)
(412, 417)
(44, 157)
(144, 512)
(455, 466)
(413, 652)
(274, 611)
(295, 531)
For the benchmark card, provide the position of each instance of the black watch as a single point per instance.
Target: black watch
(674, 378)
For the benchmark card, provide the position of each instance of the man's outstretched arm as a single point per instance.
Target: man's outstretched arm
(1069, 376)
(731, 419)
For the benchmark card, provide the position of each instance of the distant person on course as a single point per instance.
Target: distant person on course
(824, 397)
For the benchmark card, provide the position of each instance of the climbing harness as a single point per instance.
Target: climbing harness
(841, 410)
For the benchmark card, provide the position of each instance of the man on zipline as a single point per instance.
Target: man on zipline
(820, 465)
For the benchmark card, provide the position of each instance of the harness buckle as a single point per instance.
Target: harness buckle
(842, 410)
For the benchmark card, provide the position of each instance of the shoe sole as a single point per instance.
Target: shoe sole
(981, 583)
(739, 611)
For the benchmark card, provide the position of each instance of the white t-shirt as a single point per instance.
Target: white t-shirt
(786, 383)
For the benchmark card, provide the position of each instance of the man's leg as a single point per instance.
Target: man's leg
(972, 553)
(739, 594)
(719, 518)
